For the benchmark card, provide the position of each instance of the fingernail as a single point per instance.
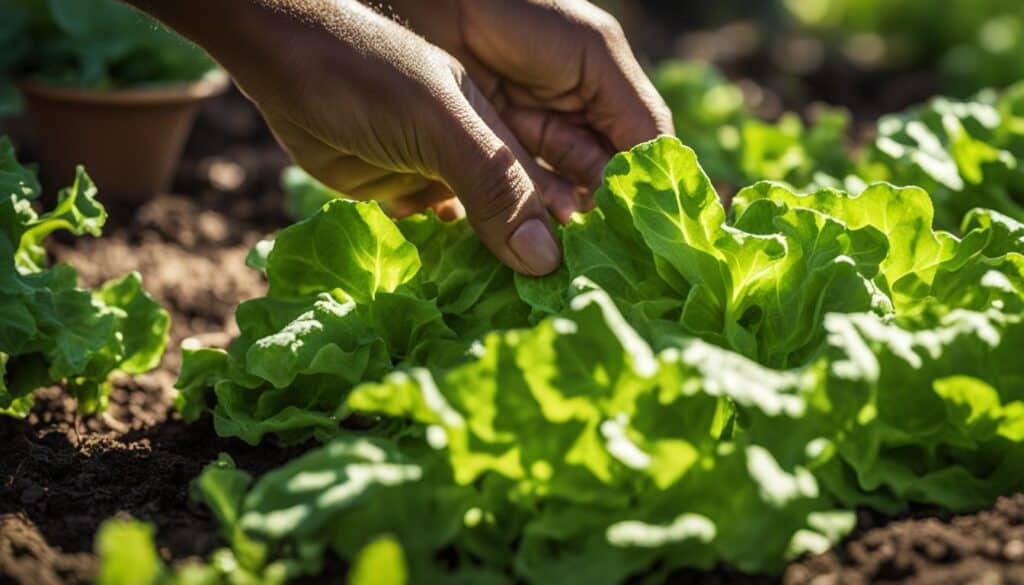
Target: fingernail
(536, 248)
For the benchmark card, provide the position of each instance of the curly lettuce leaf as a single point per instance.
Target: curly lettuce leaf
(810, 351)
(616, 448)
(966, 154)
(736, 147)
(661, 245)
(337, 281)
(923, 269)
(933, 415)
(51, 331)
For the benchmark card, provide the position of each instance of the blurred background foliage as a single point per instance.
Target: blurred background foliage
(89, 44)
(871, 56)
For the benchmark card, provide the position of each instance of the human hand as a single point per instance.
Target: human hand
(560, 73)
(375, 111)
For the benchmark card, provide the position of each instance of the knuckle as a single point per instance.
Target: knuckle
(497, 191)
(501, 208)
(560, 151)
(595, 162)
(605, 28)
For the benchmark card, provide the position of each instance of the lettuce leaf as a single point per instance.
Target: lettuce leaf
(965, 153)
(736, 147)
(336, 283)
(759, 286)
(934, 415)
(615, 448)
(51, 331)
(813, 352)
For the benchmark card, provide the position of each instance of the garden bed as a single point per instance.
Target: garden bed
(61, 477)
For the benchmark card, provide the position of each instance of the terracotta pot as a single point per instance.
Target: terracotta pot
(129, 140)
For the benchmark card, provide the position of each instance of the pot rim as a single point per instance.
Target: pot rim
(211, 84)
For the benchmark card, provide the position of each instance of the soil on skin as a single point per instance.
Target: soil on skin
(61, 477)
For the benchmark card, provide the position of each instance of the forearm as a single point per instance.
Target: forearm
(224, 28)
(266, 44)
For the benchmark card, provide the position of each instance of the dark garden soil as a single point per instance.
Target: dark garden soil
(61, 476)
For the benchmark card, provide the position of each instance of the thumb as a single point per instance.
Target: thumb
(486, 168)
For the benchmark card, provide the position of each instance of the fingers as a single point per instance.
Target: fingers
(557, 193)
(390, 187)
(485, 165)
(573, 151)
(622, 102)
(436, 196)
(568, 56)
(344, 173)
(449, 209)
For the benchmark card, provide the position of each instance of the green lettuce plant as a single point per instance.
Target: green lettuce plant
(967, 154)
(992, 58)
(51, 331)
(336, 283)
(660, 244)
(975, 44)
(736, 147)
(567, 451)
(128, 555)
(811, 352)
